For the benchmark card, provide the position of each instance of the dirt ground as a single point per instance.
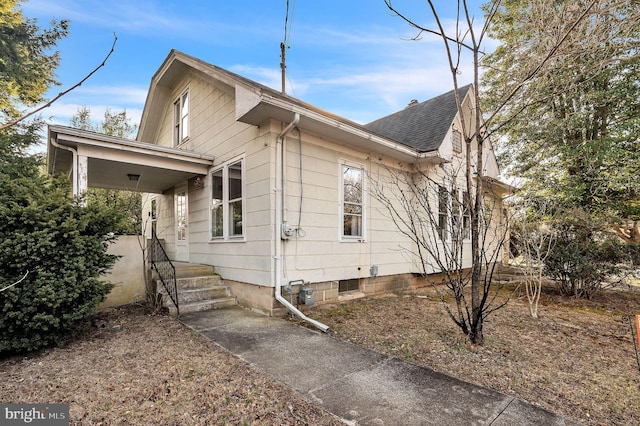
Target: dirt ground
(578, 359)
(132, 368)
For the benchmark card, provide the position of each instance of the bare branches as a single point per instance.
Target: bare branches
(17, 282)
(535, 70)
(431, 210)
(61, 94)
(422, 29)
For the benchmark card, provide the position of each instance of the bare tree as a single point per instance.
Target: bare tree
(431, 207)
(535, 239)
(465, 43)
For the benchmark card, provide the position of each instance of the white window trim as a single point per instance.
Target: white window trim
(176, 213)
(459, 149)
(154, 199)
(341, 236)
(180, 138)
(462, 192)
(448, 217)
(459, 193)
(226, 237)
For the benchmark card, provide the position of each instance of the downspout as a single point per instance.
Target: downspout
(278, 228)
(74, 164)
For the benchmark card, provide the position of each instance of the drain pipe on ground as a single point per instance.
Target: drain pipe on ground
(278, 229)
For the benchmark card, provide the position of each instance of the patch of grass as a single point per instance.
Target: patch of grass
(577, 360)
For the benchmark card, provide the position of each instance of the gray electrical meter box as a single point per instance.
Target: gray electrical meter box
(306, 296)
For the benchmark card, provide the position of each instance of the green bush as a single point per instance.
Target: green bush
(63, 246)
(584, 256)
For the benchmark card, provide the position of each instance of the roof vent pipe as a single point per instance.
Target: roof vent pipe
(412, 103)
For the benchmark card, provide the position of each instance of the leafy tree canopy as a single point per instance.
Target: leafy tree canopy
(573, 131)
(27, 65)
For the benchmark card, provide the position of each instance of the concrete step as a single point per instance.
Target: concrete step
(194, 282)
(199, 294)
(199, 282)
(203, 305)
(199, 289)
(190, 270)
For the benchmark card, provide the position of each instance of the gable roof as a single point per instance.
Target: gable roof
(406, 135)
(422, 126)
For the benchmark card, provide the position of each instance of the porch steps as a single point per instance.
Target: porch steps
(199, 289)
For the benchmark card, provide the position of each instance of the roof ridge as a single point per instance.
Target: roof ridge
(422, 126)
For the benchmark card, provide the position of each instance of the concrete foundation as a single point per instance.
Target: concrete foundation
(262, 299)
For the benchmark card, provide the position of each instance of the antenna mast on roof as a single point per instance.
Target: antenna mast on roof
(285, 45)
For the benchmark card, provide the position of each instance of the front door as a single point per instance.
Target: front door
(182, 224)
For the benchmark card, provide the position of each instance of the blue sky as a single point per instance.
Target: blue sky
(351, 57)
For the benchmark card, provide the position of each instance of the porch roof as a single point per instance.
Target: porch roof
(115, 163)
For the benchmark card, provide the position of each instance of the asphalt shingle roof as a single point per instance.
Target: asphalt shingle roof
(422, 126)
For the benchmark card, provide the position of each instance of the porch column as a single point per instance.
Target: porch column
(83, 177)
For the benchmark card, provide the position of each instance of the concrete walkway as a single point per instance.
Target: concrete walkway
(358, 385)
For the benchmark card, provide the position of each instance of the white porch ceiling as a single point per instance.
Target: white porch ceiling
(111, 160)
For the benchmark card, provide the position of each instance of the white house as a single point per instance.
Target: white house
(269, 190)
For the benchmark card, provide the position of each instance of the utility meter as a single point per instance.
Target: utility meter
(287, 231)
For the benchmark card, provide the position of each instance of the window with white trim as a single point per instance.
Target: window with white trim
(227, 201)
(466, 215)
(181, 215)
(456, 141)
(352, 212)
(181, 118)
(460, 215)
(443, 212)
(454, 214)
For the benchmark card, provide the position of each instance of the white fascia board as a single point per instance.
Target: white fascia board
(78, 137)
(256, 106)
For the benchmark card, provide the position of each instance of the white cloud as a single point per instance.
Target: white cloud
(270, 77)
(98, 99)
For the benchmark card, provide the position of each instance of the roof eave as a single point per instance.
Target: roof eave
(254, 106)
(500, 187)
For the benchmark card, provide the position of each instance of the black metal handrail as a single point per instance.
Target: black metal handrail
(165, 269)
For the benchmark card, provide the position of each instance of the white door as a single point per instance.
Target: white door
(182, 224)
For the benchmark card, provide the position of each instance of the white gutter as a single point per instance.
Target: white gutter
(278, 228)
(74, 164)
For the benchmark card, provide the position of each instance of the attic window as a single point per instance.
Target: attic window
(457, 141)
(181, 119)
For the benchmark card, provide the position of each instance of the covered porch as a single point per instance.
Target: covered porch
(94, 160)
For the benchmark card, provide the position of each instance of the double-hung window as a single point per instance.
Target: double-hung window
(153, 214)
(456, 216)
(466, 216)
(453, 206)
(181, 118)
(352, 212)
(443, 212)
(227, 195)
(456, 141)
